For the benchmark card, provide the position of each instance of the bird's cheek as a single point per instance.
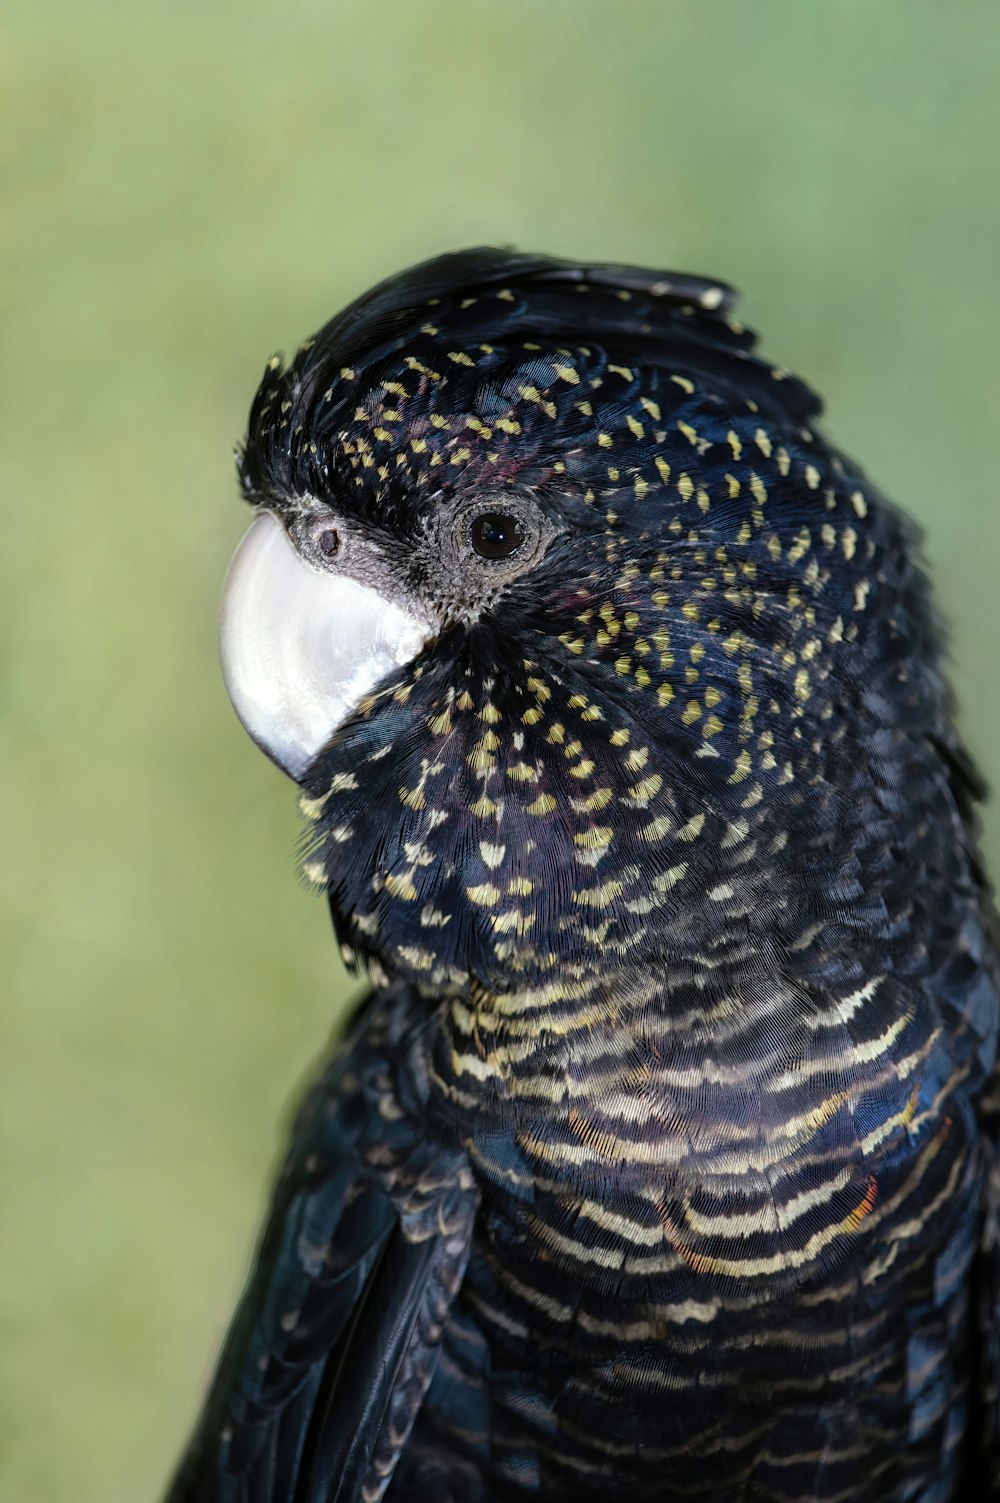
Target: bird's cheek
(300, 647)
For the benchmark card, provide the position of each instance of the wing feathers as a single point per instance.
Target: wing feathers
(335, 1341)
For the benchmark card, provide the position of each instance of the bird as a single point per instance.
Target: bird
(661, 1159)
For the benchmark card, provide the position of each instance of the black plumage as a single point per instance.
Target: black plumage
(661, 1162)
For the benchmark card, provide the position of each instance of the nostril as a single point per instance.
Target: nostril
(328, 542)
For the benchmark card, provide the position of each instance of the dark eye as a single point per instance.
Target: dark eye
(496, 534)
(328, 542)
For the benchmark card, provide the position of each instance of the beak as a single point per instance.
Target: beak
(300, 646)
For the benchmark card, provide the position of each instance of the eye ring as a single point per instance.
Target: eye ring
(496, 534)
(495, 537)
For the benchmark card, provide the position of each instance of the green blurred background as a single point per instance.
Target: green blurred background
(187, 188)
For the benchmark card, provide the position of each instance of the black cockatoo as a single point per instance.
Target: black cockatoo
(661, 1161)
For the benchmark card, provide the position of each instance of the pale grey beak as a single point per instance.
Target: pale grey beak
(301, 646)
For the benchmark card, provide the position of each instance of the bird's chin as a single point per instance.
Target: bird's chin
(301, 646)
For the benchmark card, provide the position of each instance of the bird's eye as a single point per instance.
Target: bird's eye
(496, 534)
(328, 542)
(494, 539)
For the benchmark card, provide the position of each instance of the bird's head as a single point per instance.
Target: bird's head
(572, 630)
